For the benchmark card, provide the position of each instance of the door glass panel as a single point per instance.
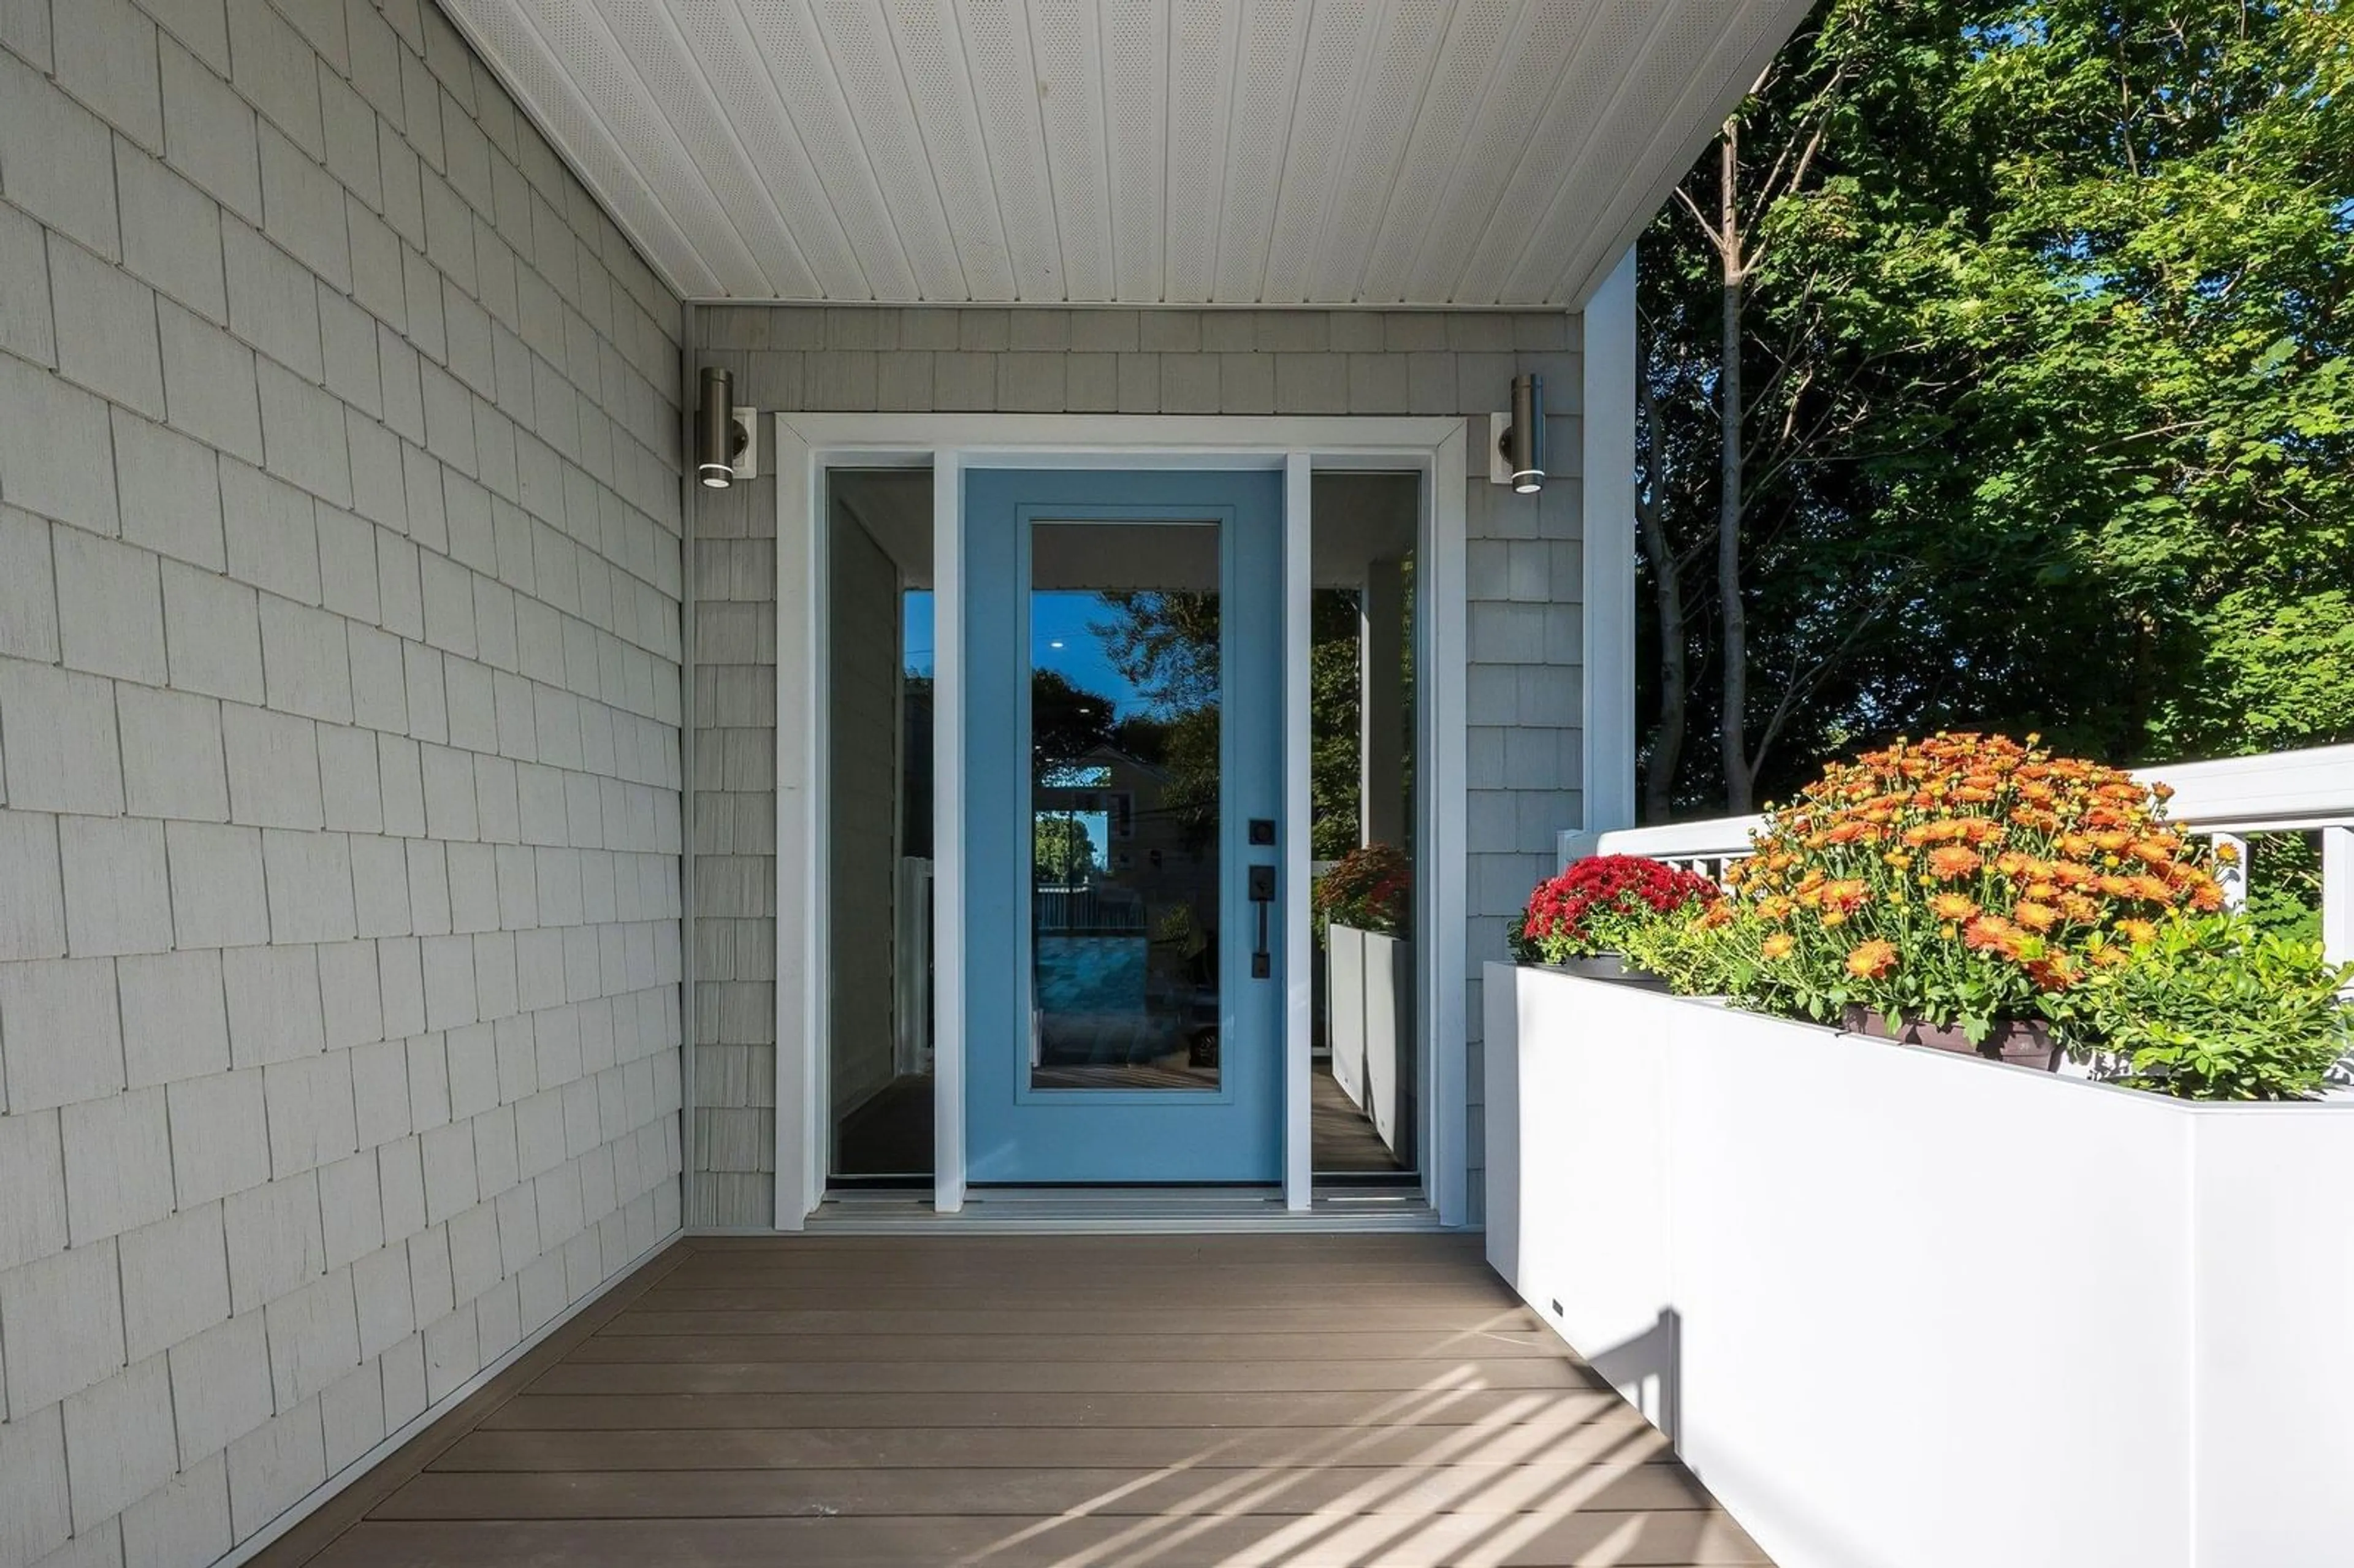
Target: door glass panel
(1364, 713)
(878, 841)
(1125, 699)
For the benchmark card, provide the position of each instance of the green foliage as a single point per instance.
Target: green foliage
(1370, 888)
(1334, 705)
(2284, 885)
(2051, 418)
(2215, 1009)
(1694, 959)
(1061, 854)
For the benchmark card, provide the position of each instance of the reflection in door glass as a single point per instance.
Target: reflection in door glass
(1124, 791)
(1365, 1071)
(878, 841)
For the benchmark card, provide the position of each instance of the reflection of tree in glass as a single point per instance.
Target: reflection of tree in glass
(1334, 678)
(1061, 852)
(1067, 722)
(1165, 644)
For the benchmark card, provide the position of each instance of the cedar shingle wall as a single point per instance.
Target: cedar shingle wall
(1523, 621)
(339, 753)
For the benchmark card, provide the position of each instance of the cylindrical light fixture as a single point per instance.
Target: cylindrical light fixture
(1524, 442)
(715, 430)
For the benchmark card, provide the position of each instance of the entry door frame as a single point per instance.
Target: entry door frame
(807, 445)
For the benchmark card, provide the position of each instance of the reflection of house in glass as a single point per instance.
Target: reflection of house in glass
(1124, 919)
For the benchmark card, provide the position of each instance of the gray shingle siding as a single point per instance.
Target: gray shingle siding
(340, 758)
(1525, 568)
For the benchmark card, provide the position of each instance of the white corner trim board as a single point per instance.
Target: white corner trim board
(1904, 1306)
(318, 1497)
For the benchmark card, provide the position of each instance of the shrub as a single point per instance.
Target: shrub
(1962, 879)
(2214, 1008)
(1688, 948)
(1591, 907)
(1371, 888)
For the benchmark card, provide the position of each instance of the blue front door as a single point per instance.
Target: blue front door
(1122, 794)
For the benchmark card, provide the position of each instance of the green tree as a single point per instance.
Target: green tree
(1994, 372)
(1067, 721)
(1061, 854)
(1335, 706)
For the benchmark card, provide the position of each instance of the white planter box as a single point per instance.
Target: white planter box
(1344, 1008)
(1900, 1309)
(1370, 1006)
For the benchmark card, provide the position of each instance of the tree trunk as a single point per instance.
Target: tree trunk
(1734, 727)
(1666, 751)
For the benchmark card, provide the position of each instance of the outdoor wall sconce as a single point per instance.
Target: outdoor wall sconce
(1520, 456)
(723, 433)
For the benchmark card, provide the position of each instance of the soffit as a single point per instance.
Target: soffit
(1413, 153)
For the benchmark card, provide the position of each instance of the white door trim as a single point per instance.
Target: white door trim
(809, 444)
(1299, 971)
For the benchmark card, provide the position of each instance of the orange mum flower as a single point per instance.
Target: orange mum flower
(2036, 916)
(1992, 934)
(1845, 895)
(1951, 862)
(2138, 931)
(2056, 973)
(1872, 959)
(1779, 944)
(1952, 906)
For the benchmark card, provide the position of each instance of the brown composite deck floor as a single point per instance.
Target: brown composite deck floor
(1341, 1138)
(1015, 1402)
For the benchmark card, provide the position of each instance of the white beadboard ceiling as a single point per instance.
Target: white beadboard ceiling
(1435, 153)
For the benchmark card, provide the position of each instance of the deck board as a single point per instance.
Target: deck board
(1378, 1401)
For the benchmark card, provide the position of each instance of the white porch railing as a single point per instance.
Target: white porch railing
(2230, 801)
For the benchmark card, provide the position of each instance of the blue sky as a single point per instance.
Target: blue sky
(1055, 617)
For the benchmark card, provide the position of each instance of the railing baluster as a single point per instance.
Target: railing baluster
(2232, 871)
(2337, 892)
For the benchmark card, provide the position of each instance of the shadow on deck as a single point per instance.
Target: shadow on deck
(1282, 1400)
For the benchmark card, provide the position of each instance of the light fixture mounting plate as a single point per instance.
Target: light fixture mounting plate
(745, 444)
(1500, 467)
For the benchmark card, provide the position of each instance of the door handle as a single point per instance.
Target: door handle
(1262, 898)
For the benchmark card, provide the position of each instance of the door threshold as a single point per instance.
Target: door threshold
(1124, 1211)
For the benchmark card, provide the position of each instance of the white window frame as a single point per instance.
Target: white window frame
(807, 445)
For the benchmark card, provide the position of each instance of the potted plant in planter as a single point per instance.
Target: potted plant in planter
(1370, 888)
(2213, 1007)
(1580, 921)
(1952, 892)
(1363, 906)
